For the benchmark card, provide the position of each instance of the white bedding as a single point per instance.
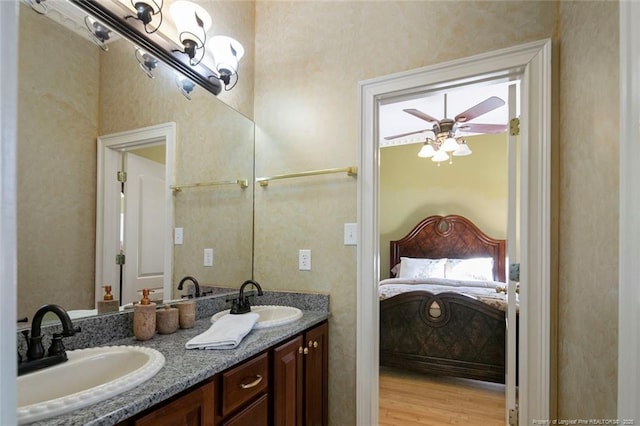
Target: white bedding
(484, 291)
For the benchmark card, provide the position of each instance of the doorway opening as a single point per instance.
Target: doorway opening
(533, 62)
(444, 229)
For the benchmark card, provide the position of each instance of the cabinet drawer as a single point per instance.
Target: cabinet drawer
(256, 414)
(243, 382)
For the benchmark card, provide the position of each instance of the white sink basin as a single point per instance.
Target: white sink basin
(269, 315)
(89, 376)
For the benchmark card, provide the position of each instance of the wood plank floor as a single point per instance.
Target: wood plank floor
(408, 398)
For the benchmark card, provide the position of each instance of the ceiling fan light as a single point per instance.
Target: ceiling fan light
(450, 144)
(426, 151)
(440, 156)
(463, 150)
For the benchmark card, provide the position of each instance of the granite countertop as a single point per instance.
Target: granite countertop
(182, 369)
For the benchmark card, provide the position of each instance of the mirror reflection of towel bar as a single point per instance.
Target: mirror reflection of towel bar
(242, 183)
(350, 171)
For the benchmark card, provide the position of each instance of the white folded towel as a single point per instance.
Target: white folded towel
(225, 333)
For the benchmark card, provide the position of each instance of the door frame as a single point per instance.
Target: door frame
(533, 61)
(629, 223)
(109, 147)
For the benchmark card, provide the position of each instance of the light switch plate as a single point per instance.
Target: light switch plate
(178, 236)
(350, 234)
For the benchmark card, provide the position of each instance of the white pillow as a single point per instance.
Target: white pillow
(421, 268)
(474, 269)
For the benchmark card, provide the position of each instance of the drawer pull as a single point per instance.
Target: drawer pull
(315, 343)
(252, 384)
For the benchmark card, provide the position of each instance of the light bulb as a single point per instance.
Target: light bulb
(440, 156)
(450, 144)
(426, 151)
(463, 150)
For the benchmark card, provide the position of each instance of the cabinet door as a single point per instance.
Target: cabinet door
(287, 372)
(316, 398)
(192, 409)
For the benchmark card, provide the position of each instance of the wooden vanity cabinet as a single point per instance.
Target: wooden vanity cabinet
(300, 379)
(286, 385)
(191, 408)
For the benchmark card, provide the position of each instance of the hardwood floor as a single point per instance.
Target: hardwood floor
(417, 399)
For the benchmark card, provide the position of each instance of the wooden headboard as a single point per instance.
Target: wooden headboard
(450, 236)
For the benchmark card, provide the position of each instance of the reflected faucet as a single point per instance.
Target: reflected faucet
(241, 304)
(35, 351)
(195, 284)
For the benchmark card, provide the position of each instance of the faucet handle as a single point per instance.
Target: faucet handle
(57, 347)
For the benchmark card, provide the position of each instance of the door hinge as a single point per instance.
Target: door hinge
(120, 259)
(122, 176)
(514, 272)
(513, 417)
(514, 126)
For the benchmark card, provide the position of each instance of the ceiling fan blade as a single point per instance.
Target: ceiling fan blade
(420, 114)
(483, 107)
(407, 134)
(482, 128)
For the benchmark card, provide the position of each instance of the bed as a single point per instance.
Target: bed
(446, 332)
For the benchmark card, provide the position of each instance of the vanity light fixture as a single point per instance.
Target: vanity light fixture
(192, 23)
(145, 13)
(99, 32)
(185, 85)
(227, 53)
(147, 62)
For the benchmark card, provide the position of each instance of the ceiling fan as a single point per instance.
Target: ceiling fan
(460, 121)
(445, 129)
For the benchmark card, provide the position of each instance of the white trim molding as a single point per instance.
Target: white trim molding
(629, 224)
(532, 63)
(8, 208)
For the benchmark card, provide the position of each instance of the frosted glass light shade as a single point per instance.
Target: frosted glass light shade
(440, 156)
(449, 145)
(463, 150)
(184, 16)
(426, 151)
(227, 52)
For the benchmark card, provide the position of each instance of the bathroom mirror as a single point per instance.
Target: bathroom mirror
(70, 92)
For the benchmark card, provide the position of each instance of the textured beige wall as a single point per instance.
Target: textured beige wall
(57, 126)
(309, 59)
(213, 143)
(588, 290)
(413, 188)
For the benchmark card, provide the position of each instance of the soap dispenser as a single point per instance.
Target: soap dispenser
(144, 317)
(108, 304)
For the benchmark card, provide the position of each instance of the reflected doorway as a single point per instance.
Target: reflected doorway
(134, 247)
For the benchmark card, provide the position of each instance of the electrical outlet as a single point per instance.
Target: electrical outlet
(208, 257)
(178, 236)
(350, 234)
(304, 260)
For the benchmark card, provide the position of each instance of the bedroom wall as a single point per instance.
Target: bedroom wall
(309, 59)
(589, 149)
(413, 188)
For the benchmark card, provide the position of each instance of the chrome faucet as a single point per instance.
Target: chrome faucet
(195, 284)
(241, 305)
(56, 354)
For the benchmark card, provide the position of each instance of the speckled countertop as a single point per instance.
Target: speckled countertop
(182, 369)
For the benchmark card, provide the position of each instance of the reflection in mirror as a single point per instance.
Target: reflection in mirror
(70, 95)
